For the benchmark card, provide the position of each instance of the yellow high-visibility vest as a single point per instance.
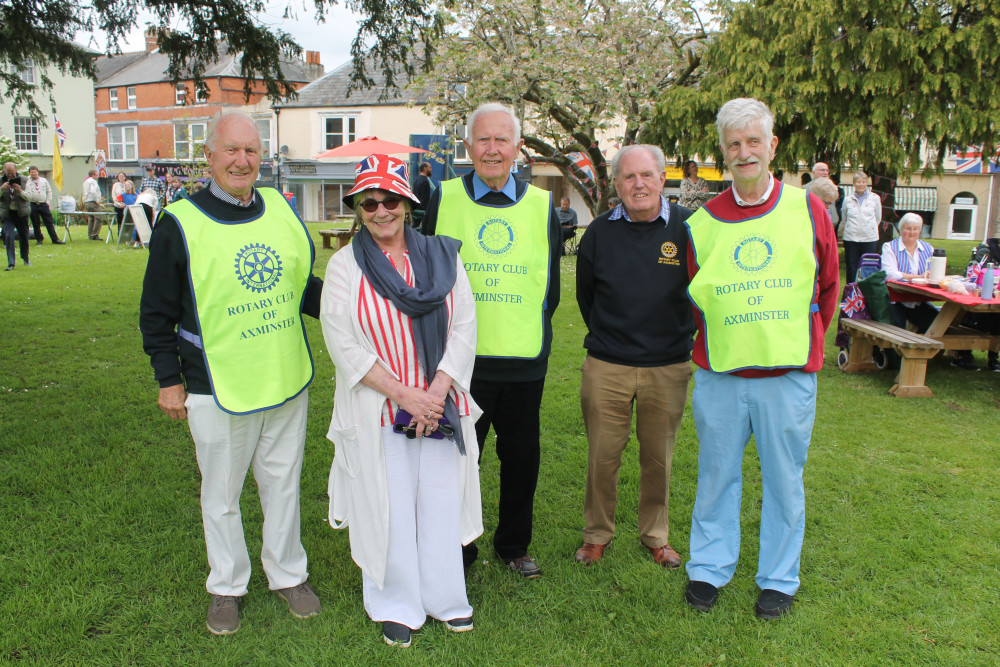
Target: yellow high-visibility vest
(506, 254)
(249, 280)
(755, 285)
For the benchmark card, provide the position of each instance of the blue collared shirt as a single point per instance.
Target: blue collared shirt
(620, 212)
(480, 189)
(219, 193)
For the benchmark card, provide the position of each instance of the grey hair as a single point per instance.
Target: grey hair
(823, 188)
(911, 219)
(492, 107)
(860, 174)
(213, 126)
(654, 151)
(741, 112)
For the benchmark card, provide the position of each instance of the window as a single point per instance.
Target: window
(180, 93)
(200, 96)
(130, 91)
(457, 135)
(25, 133)
(264, 127)
(25, 72)
(122, 143)
(188, 140)
(340, 131)
(113, 99)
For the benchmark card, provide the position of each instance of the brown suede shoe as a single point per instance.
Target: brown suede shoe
(589, 553)
(665, 556)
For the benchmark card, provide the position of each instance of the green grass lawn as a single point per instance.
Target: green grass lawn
(102, 558)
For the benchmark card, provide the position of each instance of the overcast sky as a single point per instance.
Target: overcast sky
(332, 39)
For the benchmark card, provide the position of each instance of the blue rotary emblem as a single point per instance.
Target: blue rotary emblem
(258, 267)
(496, 236)
(753, 253)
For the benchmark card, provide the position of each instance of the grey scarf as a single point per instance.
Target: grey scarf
(433, 260)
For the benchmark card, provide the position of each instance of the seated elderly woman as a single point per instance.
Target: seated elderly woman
(400, 323)
(907, 258)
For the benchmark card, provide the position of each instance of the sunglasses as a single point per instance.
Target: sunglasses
(390, 203)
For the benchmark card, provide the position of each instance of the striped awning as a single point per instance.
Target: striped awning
(916, 199)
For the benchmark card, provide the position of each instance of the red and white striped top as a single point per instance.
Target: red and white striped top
(390, 332)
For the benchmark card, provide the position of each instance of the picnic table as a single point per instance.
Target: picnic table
(81, 219)
(945, 333)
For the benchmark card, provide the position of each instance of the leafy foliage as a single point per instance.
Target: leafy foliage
(889, 83)
(41, 30)
(9, 152)
(577, 73)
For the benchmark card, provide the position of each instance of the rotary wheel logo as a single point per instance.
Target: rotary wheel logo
(753, 253)
(496, 236)
(258, 267)
(668, 249)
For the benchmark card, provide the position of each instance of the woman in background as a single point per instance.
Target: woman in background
(694, 190)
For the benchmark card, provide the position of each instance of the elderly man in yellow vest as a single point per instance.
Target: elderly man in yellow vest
(228, 278)
(510, 247)
(764, 278)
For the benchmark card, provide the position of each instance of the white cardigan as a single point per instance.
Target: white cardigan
(357, 488)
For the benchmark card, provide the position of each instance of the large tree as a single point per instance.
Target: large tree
(576, 72)
(887, 85)
(42, 30)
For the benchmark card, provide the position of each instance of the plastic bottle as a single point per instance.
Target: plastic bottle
(988, 281)
(937, 265)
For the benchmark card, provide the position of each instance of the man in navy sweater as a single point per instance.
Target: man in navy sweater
(631, 285)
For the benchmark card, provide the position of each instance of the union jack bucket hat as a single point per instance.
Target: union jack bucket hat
(380, 172)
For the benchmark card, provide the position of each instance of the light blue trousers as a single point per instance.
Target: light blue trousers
(779, 412)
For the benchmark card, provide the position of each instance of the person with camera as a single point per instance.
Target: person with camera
(400, 323)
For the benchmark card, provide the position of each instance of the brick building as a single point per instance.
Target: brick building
(143, 118)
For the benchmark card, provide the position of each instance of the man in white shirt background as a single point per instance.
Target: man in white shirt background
(92, 204)
(40, 195)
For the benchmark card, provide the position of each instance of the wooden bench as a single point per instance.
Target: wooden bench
(915, 349)
(343, 237)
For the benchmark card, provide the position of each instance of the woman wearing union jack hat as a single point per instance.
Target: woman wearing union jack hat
(400, 323)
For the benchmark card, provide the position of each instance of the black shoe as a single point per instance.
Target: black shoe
(38, 243)
(964, 362)
(58, 242)
(396, 634)
(524, 566)
(459, 624)
(701, 595)
(10, 267)
(772, 604)
(27, 263)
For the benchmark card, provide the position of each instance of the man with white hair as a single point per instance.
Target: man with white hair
(764, 277)
(821, 170)
(631, 285)
(511, 240)
(237, 339)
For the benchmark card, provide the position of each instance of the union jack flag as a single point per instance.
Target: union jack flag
(60, 132)
(853, 304)
(382, 172)
(583, 163)
(972, 273)
(972, 161)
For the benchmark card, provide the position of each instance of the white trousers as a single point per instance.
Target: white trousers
(227, 445)
(423, 574)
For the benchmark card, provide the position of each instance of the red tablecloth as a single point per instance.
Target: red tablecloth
(929, 293)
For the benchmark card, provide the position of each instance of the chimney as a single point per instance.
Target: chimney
(313, 67)
(151, 44)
